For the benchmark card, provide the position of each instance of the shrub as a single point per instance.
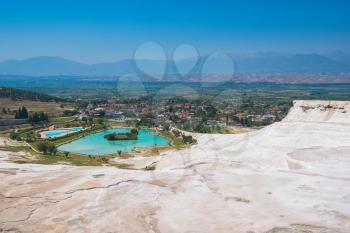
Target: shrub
(176, 133)
(188, 139)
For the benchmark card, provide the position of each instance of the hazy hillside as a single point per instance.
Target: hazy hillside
(43, 66)
(18, 94)
(267, 62)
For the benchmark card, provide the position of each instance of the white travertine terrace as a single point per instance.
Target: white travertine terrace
(292, 176)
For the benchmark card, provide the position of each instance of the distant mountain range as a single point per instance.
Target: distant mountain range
(264, 62)
(270, 62)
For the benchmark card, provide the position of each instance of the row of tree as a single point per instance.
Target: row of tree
(37, 117)
(21, 113)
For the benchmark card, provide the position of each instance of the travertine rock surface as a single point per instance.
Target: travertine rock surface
(292, 176)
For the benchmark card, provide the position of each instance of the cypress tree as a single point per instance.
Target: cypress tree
(19, 113)
(24, 112)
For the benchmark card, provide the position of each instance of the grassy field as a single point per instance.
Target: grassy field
(61, 119)
(16, 148)
(75, 87)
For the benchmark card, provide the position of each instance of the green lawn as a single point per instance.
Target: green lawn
(61, 119)
(16, 148)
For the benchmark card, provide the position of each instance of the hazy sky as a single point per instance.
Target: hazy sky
(97, 31)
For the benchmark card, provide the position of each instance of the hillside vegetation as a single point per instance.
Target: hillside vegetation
(17, 94)
(12, 99)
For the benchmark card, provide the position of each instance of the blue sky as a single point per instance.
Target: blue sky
(97, 31)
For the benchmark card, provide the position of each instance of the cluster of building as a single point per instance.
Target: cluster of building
(180, 113)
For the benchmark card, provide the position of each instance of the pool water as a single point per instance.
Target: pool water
(77, 128)
(61, 132)
(96, 144)
(56, 133)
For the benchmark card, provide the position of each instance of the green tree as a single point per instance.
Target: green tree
(166, 127)
(38, 117)
(66, 154)
(51, 148)
(188, 139)
(176, 133)
(99, 121)
(24, 113)
(134, 131)
(47, 147)
(90, 121)
(42, 147)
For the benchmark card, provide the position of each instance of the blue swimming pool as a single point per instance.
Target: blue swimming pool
(77, 128)
(96, 144)
(56, 133)
(61, 132)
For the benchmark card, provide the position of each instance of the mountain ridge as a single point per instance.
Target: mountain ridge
(263, 62)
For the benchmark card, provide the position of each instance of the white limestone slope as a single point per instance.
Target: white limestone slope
(309, 125)
(319, 111)
(292, 176)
